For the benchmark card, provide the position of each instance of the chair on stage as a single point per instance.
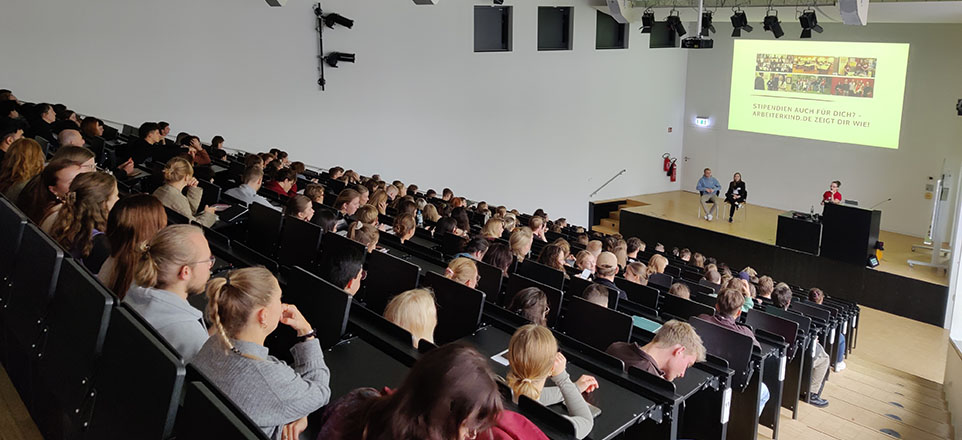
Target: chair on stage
(701, 209)
(743, 209)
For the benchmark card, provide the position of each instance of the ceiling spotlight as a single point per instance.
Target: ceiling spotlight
(706, 25)
(331, 19)
(771, 23)
(740, 23)
(647, 21)
(334, 57)
(809, 23)
(674, 22)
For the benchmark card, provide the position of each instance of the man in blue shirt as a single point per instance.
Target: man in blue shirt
(709, 187)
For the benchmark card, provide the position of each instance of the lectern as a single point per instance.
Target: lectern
(849, 233)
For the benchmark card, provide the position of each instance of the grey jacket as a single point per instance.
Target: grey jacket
(270, 392)
(247, 195)
(173, 317)
(187, 205)
(566, 391)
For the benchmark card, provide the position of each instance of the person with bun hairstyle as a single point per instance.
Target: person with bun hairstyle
(532, 304)
(179, 174)
(463, 270)
(80, 224)
(404, 227)
(133, 222)
(367, 235)
(174, 265)
(533, 357)
(245, 307)
(414, 310)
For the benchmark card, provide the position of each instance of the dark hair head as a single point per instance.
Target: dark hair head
(634, 244)
(498, 255)
(729, 301)
(476, 244)
(344, 197)
(252, 174)
(298, 167)
(837, 183)
(162, 125)
(460, 214)
(216, 142)
(343, 267)
(406, 207)
(549, 256)
(146, 128)
(326, 219)
(284, 174)
(445, 225)
(531, 303)
(36, 199)
(133, 221)
(297, 205)
(89, 124)
(8, 127)
(782, 296)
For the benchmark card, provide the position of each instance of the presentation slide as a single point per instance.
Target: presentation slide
(830, 91)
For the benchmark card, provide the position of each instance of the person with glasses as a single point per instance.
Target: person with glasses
(173, 265)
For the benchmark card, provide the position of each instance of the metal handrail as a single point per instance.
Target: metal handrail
(606, 183)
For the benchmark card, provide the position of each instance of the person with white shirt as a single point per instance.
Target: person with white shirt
(253, 177)
(175, 264)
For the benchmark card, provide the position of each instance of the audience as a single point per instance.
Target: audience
(765, 288)
(299, 207)
(22, 162)
(80, 224)
(816, 296)
(347, 202)
(673, 350)
(585, 262)
(605, 270)
(404, 227)
(532, 304)
(533, 357)
(657, 264)
(245, 306)
(142, 148)
(596, 294)
(365, 234)
(499, 255)
(132, 223)
(284, 183)
(345, 270)
(44, 193)
(172, 266)
(464, 271)
(520, 243)
(10, 132)
(680, 290)
(637, 273)
(251, 182)
(782, 298)
(553, 256)
(315, 192)
(474, 248)
(538, 228)
(415, 311)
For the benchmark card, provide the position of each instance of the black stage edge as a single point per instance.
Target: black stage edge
(911, 298)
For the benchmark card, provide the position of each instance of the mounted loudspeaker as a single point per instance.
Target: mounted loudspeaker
(277, 3)
(854, 11)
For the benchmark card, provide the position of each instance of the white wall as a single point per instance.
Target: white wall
(525, 129)
(952, 384)
(790, 173)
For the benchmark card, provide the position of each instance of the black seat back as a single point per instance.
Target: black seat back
(138, 382)
(644, 295)
(451, 244)
(12, 223)
(541, 273)
(595, 325)
(322, 304)
(683, 308)
(206, 414)
(517, 282)
(263, 228)
(31, 287)
(660, 279)
(333, 245)
(211, 194)
(734, 347)
(387, 276)
(774, 324)
(298, 243)
(490, 282)
(459, 308)
(76, 327)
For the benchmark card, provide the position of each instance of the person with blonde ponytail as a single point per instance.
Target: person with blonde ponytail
(365, 234)
(533, 357)
(657, 264)
(245, 307)
(132, 223)
(172, 266)
(464, 271)
(179, 174)
(79, 225)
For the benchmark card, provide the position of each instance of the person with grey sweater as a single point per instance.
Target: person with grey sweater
(246, 307)
(533, 357)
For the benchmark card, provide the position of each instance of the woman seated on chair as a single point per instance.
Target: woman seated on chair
(736, 195)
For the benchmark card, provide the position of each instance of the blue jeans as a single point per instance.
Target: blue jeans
(841, 348)
(763, 399)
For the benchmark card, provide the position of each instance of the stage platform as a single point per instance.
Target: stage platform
(758, 223)
(672, 218)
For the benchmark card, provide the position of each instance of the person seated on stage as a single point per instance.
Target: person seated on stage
(178, 174)
(596, 294)
(708, 187)
(553, 256)
(765, 288)
(736, 195)
(698, 260)
(782, 298)
(415, 311)
(605, 270)
(404, 227)
(499, 255)
(532, 304)
(674, 349)
(595, 247)
(684, 255)
(520, 242)
(344, 270)
(585, 262)
(680, 290)
(172, 266)
(728, 307)
(283, 183)
(816, 296)
(634, 245)
(533, 357)
(463, 271)
(245, 307)
(832, 195)
(538, 228)
(637, 273)
(300, 207)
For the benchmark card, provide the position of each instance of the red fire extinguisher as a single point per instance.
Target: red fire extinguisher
(667, 158)
(673, 168)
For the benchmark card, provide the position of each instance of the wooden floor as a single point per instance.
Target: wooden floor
(758, 223)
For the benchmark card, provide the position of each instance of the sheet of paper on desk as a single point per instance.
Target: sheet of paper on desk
(499, 358)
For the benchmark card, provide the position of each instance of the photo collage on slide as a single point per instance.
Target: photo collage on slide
(821, 75)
